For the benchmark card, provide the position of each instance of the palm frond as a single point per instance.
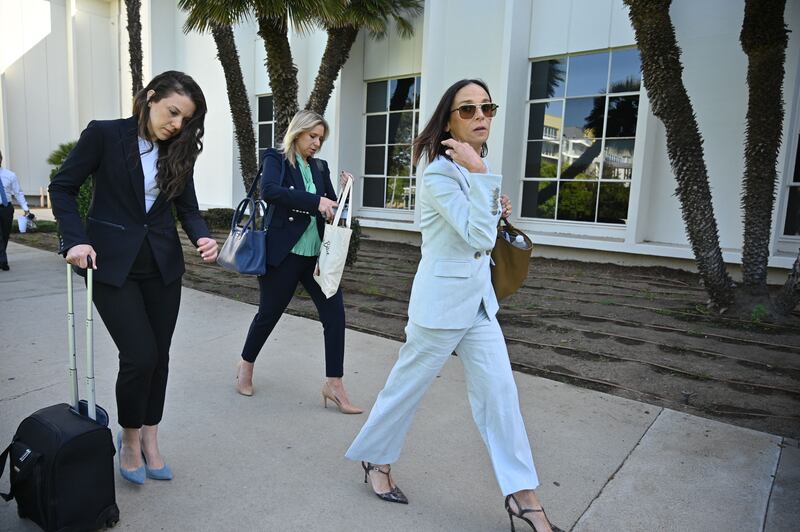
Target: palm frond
(202, 14)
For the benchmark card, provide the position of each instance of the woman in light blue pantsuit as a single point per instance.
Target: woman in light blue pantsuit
(453, 308)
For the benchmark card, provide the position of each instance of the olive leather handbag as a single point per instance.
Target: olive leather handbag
(511, 257)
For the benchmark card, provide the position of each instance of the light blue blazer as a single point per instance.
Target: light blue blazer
(459, 214)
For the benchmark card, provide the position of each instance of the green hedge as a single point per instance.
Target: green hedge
(56, 159)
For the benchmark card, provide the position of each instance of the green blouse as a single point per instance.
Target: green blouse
(309, 243)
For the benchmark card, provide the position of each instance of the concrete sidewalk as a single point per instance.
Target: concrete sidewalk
(275, 461)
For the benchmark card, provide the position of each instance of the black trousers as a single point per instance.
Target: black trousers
(140, 316)
(277, 288)
(6, 216)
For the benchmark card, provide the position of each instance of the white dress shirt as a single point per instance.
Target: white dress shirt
(149, 162)
(11, 185)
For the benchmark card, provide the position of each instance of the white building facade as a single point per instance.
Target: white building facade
(583, 158)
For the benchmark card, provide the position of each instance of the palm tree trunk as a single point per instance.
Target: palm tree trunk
(133, 8)
(764, 40)
(281, 69)
(337, 50)
(661, 70)
(238, 100)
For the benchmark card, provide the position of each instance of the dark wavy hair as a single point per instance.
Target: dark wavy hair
(176, 155)
(429, 141)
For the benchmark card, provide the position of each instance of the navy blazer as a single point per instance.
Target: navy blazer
(117, 224)
(294, 206)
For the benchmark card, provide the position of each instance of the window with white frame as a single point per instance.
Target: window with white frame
(266, 125)
(391, 123)
(582, 114)
(791, 224)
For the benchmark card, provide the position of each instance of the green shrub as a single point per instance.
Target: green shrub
(355, 243)
(759, 313)
(218, 218)
(56, 159)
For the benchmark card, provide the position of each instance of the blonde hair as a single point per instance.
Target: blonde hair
(301, 122)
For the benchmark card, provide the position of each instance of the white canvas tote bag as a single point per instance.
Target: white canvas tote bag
(335, 243)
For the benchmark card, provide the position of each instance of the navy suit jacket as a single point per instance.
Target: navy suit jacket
(294, 206)
(117, 224)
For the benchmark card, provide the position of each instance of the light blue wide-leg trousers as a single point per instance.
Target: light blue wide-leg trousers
(490, 386)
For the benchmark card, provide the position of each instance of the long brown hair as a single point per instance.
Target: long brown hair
(429, 141)
(176, 155)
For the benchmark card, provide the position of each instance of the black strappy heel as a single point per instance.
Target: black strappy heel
(520, 514)
(395, 495)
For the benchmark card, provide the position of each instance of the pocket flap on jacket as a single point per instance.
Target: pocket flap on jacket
(452, 268)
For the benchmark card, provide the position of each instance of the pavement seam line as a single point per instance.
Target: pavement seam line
(781, 445)
(614, 474)
(12, 397)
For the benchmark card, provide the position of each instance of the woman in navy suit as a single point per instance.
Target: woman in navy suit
(299, 186)
(453, 307)
(141, 168)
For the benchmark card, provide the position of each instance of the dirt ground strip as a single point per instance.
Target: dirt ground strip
(640, 333)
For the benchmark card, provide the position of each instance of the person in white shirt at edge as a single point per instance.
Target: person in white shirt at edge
(453, 307)
(9, 186)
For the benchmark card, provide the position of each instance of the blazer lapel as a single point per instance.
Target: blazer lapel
(130, 145)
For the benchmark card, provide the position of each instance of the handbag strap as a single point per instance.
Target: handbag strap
(347, 194)
(254, 204)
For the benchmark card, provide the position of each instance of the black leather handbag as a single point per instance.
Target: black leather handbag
(245, 249)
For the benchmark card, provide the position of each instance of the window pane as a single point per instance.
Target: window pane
(399, 160)
(622, 114)
(792, 225)
(580, 159)
(576, 201)
(618, 160)
(401, 94)
(398, 193)
(264, 135)
(264, 108)
(374, 159)
(626, 71)
(541, 159)
(373, 192)
(416, 124)
(588, 74)
(376, 97)
(547, 78)
(261, 154)
(583, 117)
(539, 199)
(545, 120)
(613, 207)
(376, 129)
(418, 83)
(400, 128)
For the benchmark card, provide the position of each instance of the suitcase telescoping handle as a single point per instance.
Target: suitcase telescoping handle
(73, 368)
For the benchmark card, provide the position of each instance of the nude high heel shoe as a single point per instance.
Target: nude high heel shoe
(242, 388)
(327, 393)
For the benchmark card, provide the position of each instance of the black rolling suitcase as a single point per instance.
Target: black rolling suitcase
(62, 456)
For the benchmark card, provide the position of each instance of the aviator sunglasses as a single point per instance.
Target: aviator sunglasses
(467, 111)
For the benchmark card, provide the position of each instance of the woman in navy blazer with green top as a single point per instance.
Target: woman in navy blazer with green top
(300, 188)
(141, 167)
